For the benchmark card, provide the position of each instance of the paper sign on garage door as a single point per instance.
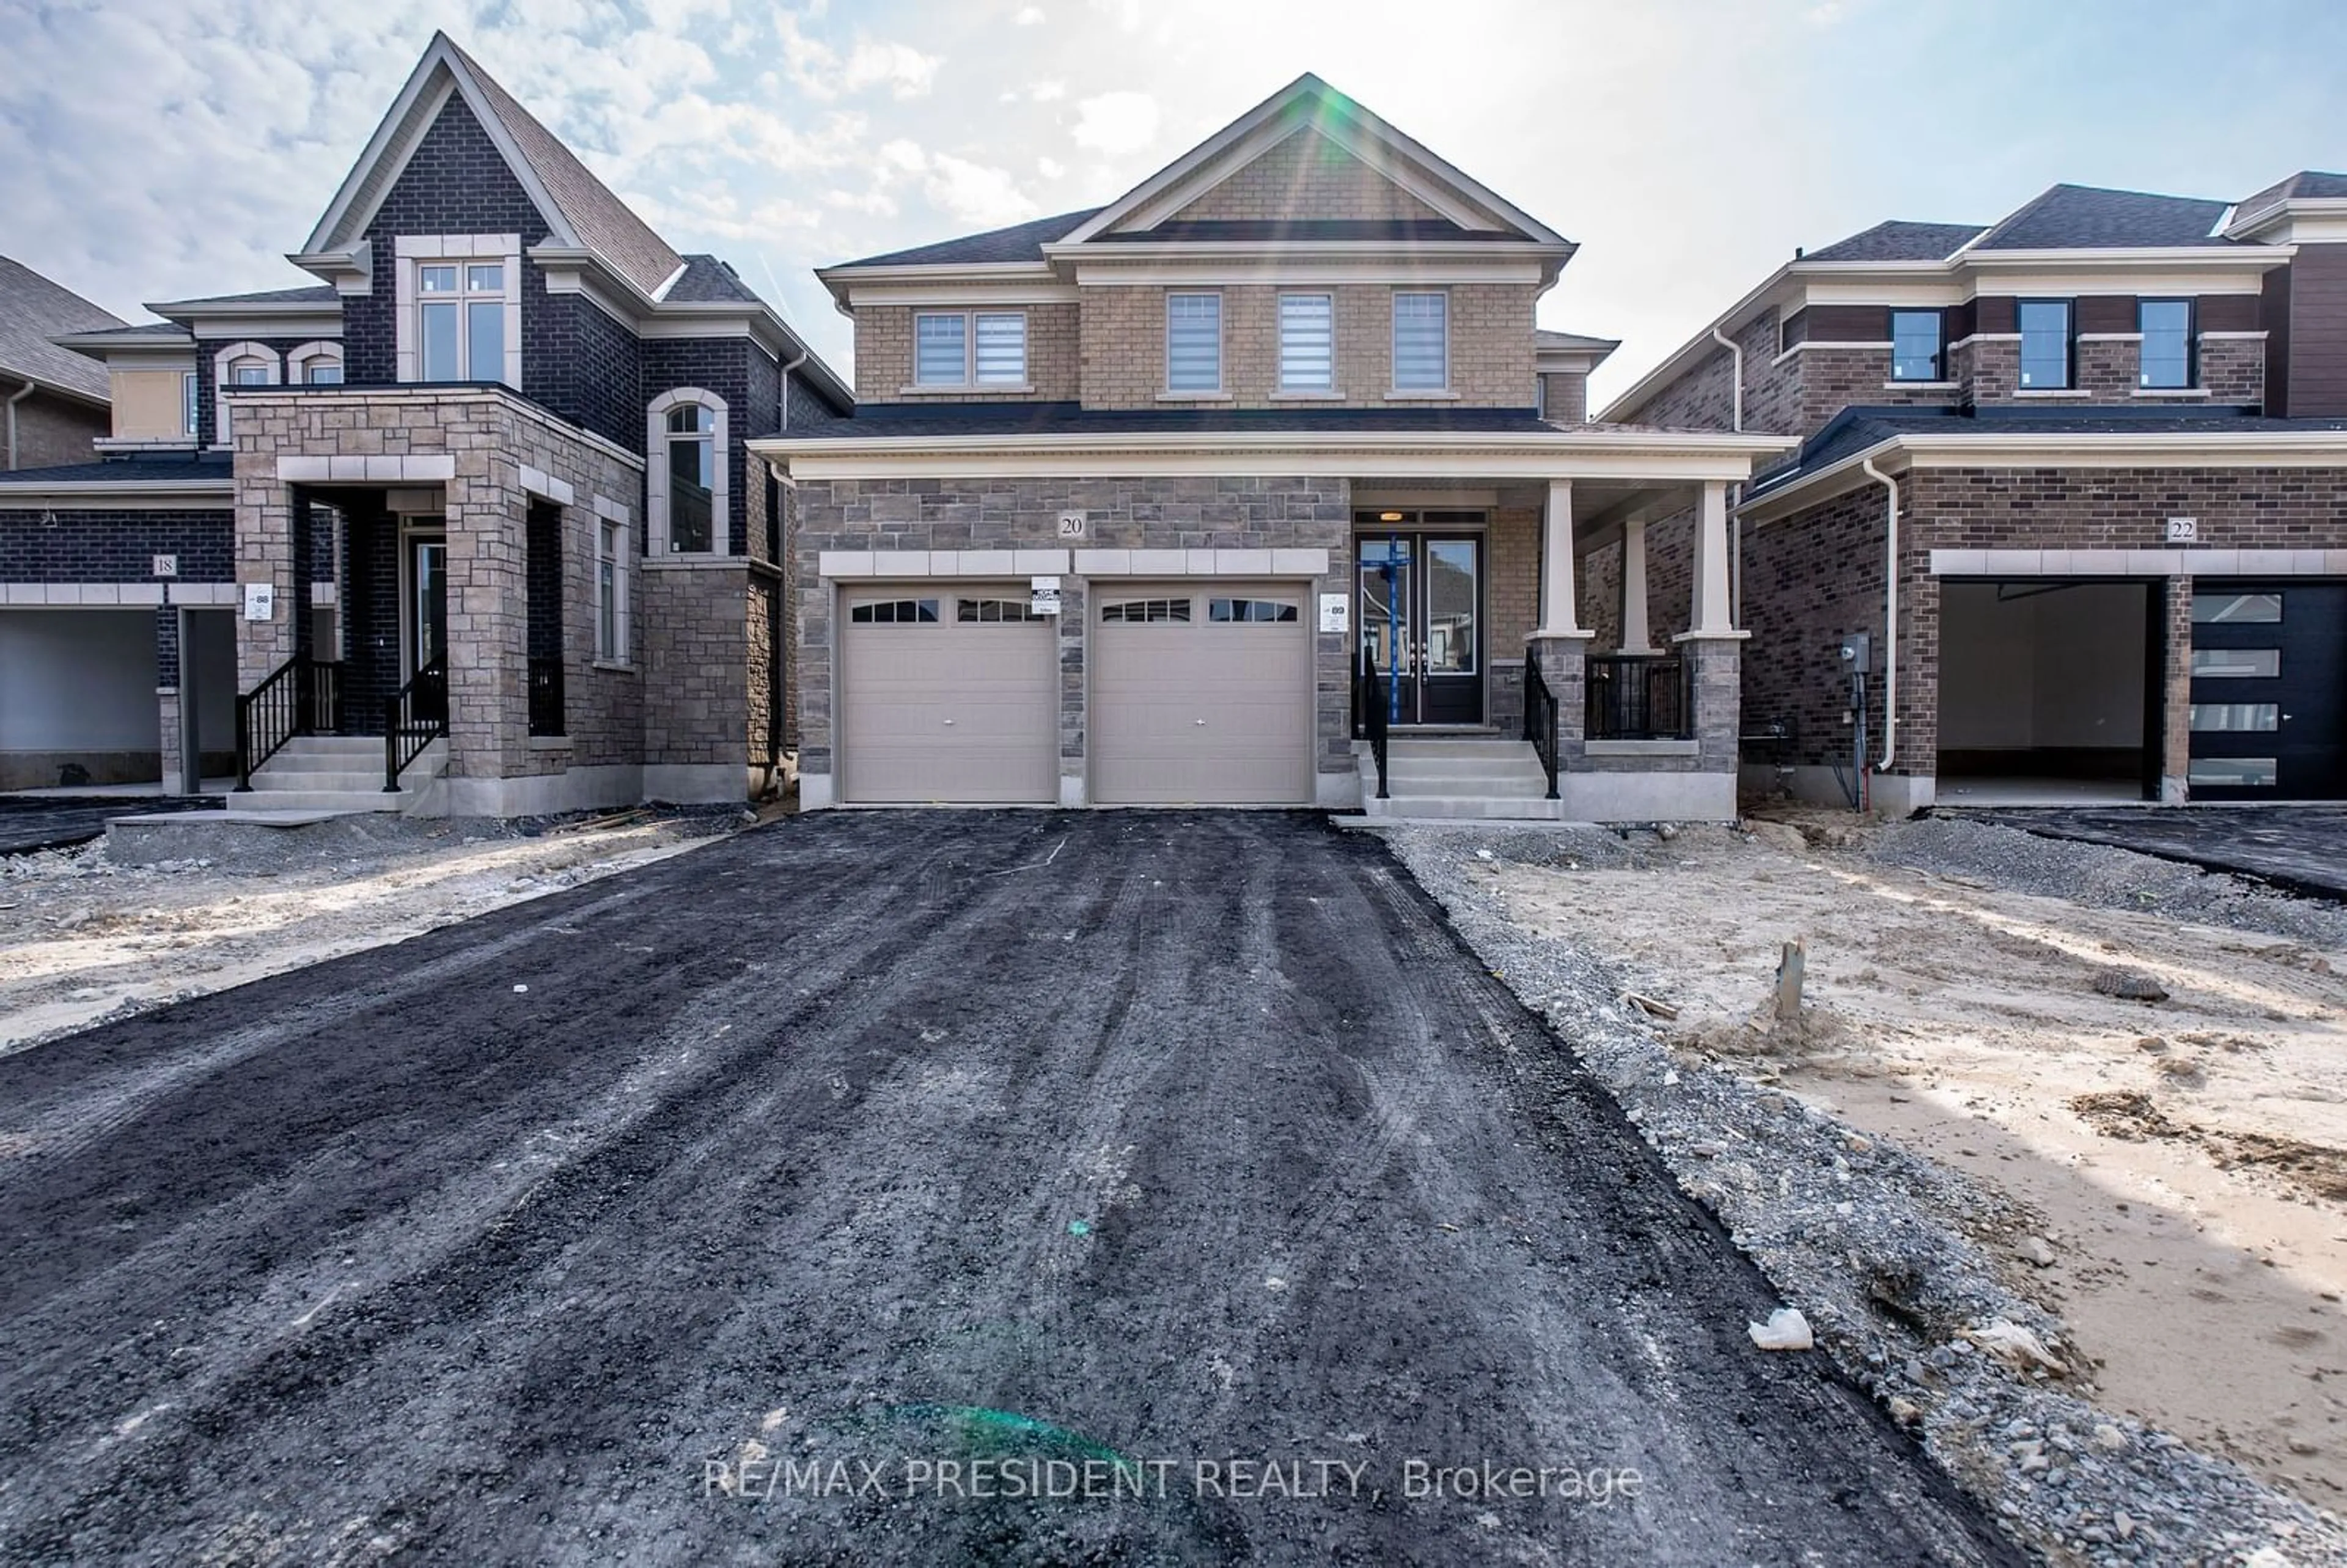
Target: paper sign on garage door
(1043, 595)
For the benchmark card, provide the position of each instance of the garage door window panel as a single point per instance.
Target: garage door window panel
(1249, 609)
(1134, 611)
(896, 612)
(996, 611)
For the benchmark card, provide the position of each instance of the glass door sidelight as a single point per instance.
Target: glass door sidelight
(1421, 609)
(427, 617)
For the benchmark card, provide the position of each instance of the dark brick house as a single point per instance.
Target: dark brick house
(482, 485)
(2079, 480)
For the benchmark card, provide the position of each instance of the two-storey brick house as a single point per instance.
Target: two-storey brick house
(1168, 500)
(472, 512)
(2079, 480)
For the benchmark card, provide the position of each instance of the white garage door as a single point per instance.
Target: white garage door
(1202, 692)
(948, 693)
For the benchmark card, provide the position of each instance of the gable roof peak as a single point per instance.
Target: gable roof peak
(579, 210)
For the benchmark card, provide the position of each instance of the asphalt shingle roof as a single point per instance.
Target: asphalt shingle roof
(1306, 230)
(707, 280)
(314, 295)
(601, 220)
(920, 420)
(147, 468)
(1900, 241)
(1020, 242)
(1855, 430)
(33, 310)
(2312, 183)
(2082, 218)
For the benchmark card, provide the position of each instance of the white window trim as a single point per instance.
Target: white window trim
(324, 351)
(1220, 391)
(415, 250)
(916, 386)
(1393, 348)
(226, 362)
(1280, 344)
(720, 500)
(614, 657)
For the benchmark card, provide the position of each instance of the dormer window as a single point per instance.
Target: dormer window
(1915, 345)
(315, 365)
(459, 308)
(955, 349)
(2167, 355)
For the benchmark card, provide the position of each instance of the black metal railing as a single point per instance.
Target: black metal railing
(1539, 720)
(302, 696)
(1369, 712)
(546, 697)
(413, 718)
(1634, 697)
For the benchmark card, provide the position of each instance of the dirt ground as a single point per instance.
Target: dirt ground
(2187, 1157)
(83, 939)
(632, 1223)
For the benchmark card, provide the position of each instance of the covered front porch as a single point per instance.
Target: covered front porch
(478, 647)
(1562, 651)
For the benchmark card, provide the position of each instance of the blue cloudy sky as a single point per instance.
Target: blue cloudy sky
(156, 149)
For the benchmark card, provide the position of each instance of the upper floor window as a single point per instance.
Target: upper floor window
(2167, 328)
(970, 348)
(240, 364)
(687, 482)
(1422, 343)
(316, 364)
(463, 307)
(2045, 345)
(459, 308)
(1194, 343)
(187, 403)
(1307, 343)
(1915, 345)
(610, 589)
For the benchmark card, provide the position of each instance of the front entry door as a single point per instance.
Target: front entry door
(1421, 620)
(426, 616)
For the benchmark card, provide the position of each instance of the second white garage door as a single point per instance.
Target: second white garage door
(1201, 693)
(948, 693)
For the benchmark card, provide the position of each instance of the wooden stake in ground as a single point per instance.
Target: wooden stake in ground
(1789, 980)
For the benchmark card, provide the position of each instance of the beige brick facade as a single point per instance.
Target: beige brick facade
(884, 356)
(1490, 346)
(1307, 177)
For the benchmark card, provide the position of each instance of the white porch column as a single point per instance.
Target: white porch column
(1711, 617)
(1634, 636)
(1560, 611)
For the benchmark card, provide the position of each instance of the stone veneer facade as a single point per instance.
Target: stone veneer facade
(489, 454)
(998, 524)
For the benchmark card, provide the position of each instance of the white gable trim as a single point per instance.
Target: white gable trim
(1413, 167)
(438, 76)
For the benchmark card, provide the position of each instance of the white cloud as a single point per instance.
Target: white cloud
(1116, 123)
(1049, 168)
(1029, 16)
(1048, 92)
(976, 193)
(906, 71)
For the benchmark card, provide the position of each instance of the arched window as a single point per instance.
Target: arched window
(240, 364)
(316, 364)
(687, 474)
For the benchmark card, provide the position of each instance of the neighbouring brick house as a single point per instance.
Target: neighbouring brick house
(474, 507)
(2087, 466)
(1167, 501)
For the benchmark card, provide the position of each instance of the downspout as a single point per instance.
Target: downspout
(13, 399)
(803, 353)
(775, 675)
(1736, 372)
(1889, 614)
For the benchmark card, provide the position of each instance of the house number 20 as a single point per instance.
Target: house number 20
(1071, 525)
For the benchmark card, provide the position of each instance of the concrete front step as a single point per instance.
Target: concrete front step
(330, 745)
(1454, 745)
(312, 780)
(1484, 807)
(337, 801)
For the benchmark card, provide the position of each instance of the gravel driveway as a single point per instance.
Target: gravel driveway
(825, 1179)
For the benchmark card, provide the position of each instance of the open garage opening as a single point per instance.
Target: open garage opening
(2048, 692)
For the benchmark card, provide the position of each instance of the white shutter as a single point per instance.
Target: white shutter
(1002, 349)
(938, 356)
(1307, 343)
(1422, 342)
(1194, 343)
